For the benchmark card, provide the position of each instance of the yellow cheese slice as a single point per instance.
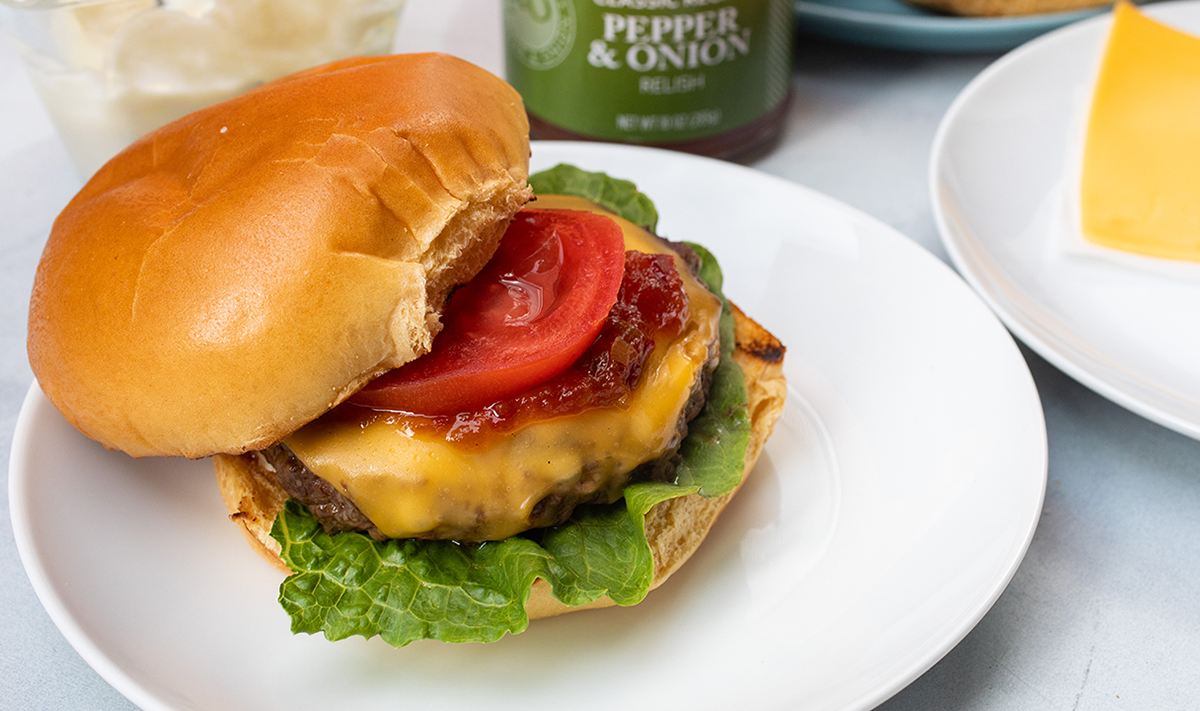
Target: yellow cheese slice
(415, 484)
(1140, 189)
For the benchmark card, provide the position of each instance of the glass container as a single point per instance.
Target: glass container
(109, 71)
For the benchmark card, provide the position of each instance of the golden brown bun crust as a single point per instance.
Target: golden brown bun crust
(235, 274)
(1002, 8)
(674, 528)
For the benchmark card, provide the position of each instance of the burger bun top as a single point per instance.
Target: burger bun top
(237, 273)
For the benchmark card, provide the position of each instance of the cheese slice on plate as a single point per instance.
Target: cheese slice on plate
(1140, 188)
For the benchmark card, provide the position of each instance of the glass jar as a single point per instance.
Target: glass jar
(711, 77)
(110, 71)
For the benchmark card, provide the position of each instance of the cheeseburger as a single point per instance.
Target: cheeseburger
(444, 396)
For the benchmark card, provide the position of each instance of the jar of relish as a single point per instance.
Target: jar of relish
(710, 77)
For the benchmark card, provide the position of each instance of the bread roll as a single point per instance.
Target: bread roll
(674, 528)
(235, 274)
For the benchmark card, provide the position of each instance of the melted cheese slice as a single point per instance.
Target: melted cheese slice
(1140, 190)
(418, 485)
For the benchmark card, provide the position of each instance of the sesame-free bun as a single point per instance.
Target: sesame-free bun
(674, 528)
(235, 274)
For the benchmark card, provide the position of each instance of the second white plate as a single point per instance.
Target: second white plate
(888, 512)
(998, 184)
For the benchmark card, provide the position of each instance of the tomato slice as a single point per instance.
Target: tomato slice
(531, 312)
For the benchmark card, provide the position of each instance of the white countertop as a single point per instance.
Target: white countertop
(1104, 613)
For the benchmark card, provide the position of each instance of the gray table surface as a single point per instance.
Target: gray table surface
(1104, 613)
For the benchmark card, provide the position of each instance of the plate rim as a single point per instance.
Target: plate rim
(32, 407)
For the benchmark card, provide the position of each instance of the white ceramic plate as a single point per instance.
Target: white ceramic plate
(889, 511)
(999, 171)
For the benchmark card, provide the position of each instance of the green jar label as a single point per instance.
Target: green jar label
(649, 71)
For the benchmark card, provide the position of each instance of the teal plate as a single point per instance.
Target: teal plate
(896, 25)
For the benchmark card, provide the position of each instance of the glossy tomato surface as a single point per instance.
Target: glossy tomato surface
(532, 311)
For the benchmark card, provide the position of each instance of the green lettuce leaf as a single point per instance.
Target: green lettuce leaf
(713, 456)
(583, 562)
(405, 590)
(402, 590)
(619, 196)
